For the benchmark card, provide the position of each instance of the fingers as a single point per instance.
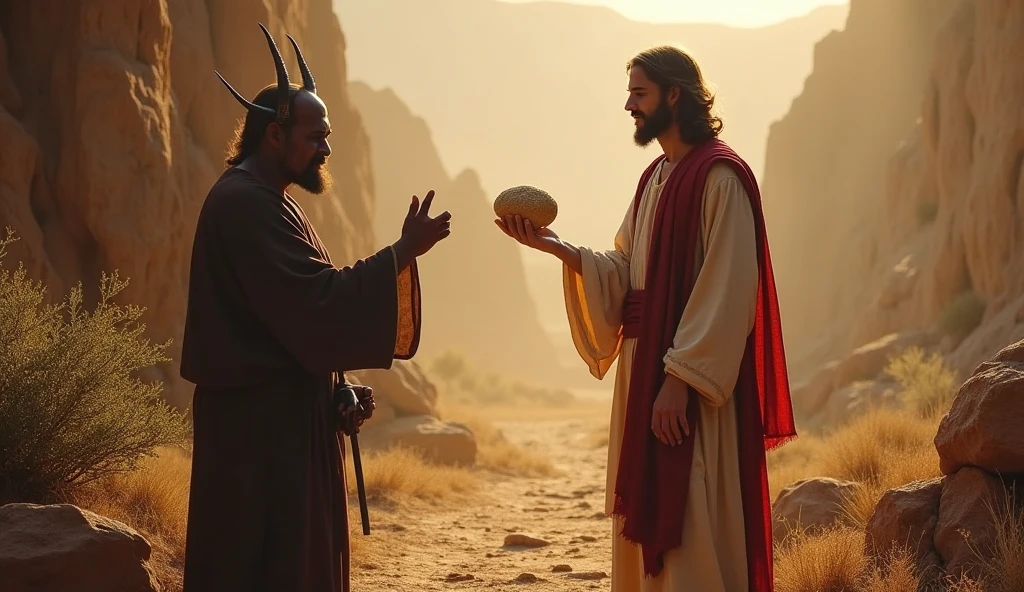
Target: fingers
(672, 427)
(513, 230)
(531, 236)
(425, 209)
(669, 426)
(656, 427)
(414, 205)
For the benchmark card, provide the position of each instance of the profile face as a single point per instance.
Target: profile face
(306, 148)
(651, 114)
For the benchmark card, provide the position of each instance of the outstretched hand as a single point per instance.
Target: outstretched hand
(420, 232)
(543, 239)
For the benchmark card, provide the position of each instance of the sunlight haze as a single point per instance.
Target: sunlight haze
(737, 13)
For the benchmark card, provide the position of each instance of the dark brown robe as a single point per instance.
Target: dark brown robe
(271, 326)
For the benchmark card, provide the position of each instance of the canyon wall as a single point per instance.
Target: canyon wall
(894, 186)
(114, 127)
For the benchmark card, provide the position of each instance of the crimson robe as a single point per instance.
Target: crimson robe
(271, 326)
(652, 480)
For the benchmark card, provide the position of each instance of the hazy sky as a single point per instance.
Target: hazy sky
(742, 13)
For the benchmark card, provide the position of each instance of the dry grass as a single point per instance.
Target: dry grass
(402, 475)
(833, 561)
(496, 453)
(1002, 569)
(881, 450)
(152, 500)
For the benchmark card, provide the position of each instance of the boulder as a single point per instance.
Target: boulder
(906, 517)
(59, 548)
(966, 525)
(442, 442)
(982, 427)
(404, 388)
(810, 505)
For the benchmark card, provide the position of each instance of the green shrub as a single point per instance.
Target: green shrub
(927, 385)
(962, 316)
(927, 211)
(71, 407)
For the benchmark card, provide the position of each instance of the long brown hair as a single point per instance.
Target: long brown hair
(669, 66)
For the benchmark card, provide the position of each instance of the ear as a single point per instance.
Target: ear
(672, 96)
(276, 135)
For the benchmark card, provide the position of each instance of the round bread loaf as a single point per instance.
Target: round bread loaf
(531, 203)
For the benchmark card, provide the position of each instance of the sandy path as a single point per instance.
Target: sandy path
(465, 549)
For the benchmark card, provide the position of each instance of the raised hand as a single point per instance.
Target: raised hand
(420, 232)
(543, 239)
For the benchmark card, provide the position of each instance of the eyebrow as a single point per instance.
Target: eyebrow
(636, 88)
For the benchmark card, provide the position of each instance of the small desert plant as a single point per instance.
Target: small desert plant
(71, 408)
(927, 211)
(962, 316)
(927, 386)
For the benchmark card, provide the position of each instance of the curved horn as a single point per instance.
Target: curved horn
(307, 76)
(242, 100)
(283, 85)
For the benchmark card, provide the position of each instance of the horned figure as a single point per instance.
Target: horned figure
(283, 83)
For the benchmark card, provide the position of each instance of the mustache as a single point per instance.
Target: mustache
(638, 114)
(318, 161)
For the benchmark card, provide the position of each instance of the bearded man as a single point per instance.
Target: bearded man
(272, 325)
(686, 302)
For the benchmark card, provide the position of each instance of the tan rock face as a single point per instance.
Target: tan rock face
(983, 426)
(902, 214)
(114, 127)
(62, 547)
(824, 180)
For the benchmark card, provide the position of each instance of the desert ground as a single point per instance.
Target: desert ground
(547, 530)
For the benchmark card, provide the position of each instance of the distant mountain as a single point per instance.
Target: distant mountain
(475, 297)
(534, 94)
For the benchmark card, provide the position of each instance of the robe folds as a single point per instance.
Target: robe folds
(688, 291)
(271, 326)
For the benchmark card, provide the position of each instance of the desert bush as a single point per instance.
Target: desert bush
(926, 212)
(962, 316)
(927, 385)
(71, 406)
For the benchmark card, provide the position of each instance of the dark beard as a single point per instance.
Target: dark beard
(653, 125)
(313, 179)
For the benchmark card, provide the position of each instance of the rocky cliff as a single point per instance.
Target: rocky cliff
(475, 290)
(114, 126)
(893, 187)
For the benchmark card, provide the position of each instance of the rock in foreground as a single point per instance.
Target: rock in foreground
(63, 548)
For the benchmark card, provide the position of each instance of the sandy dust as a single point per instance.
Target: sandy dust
(465, 549)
